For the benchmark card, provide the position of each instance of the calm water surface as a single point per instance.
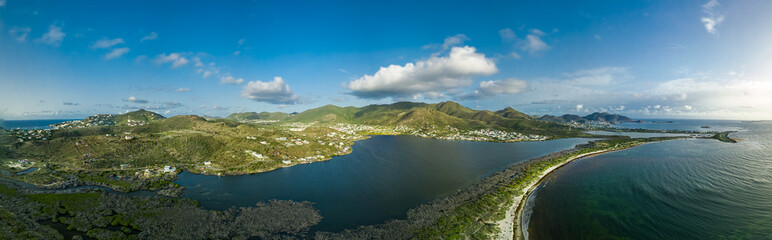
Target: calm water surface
(381, 179)
(31, 124)
(683, 189)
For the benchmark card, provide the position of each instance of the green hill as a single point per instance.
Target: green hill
(422, 115)
(139, 115)
(245, 116)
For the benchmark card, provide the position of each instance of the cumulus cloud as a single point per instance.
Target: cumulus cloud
(496, 87)
(534, 43)
(274, 92)
(54, 36)
(579, 107)
(135, 100)
(713, 18)
(106, 43)
(231, 80)
(151, 36)
(176, 59)
(507, 34)
(20, 33)
(115, 53)
(434, 75)
(449, 42)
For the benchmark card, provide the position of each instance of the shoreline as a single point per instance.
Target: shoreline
(510, 227)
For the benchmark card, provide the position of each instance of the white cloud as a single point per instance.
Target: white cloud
(135, 100)
(507, 34)
(182, 89)
(176, 59)
(115, 53)
(231, 80)
(106, 43)
(237, 52)
(274, 92)
(197, 62)
(151, 36)
(54, 36)
(2, 3)
(515, 55)
(713, 18)
(496, 87)
(436, 74)
(534, 43)
(579, 107)
(241, 41)
(449, 42)
(20, 33)
(206, 74)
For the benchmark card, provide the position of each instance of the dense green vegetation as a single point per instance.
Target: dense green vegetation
(724, 137)
(472, 220)
(30, 214)
(472, 212)
(423, 115)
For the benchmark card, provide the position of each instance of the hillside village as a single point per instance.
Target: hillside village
(146, 145)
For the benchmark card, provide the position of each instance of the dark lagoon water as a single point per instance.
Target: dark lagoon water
(683, 189)
(31, 124)
(381, 179)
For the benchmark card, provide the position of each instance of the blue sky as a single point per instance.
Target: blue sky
(647, 59)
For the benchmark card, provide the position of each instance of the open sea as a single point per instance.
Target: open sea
(31, 124)
(682, 189)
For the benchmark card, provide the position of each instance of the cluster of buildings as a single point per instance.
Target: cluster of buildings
(506, 136)
(254, 154)
(96, 120)
(30, 134)
(21, 163)
(591, 125)
(134, 123)
(296, 126)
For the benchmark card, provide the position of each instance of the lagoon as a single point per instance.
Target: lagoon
(381, 179)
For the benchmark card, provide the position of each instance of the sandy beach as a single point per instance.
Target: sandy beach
(510, 225)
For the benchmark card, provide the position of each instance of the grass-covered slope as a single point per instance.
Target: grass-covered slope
(139, 115)
(246, 116)
(422, 115)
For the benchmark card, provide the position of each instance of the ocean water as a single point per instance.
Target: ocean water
(381, 179)
(31, 124)
(682, 189)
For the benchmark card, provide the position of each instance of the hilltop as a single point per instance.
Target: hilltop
(421, 115)
(144, 147)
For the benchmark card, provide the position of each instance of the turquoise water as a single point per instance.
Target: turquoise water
(31, 124)
(381, 179)
(682, 189)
